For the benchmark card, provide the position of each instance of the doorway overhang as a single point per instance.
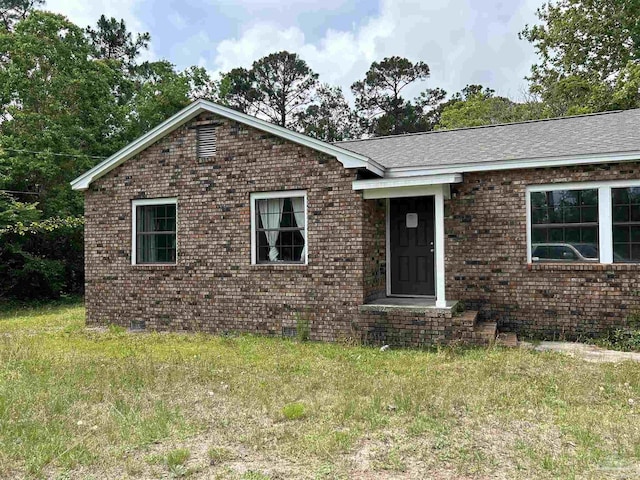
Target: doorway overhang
(437, 186)
(405, 187)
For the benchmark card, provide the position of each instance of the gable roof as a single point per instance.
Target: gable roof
(348, 158)
(594, 138)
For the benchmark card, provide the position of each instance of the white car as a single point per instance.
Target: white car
(564, 252)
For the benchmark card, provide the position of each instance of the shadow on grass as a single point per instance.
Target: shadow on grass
(18, 308)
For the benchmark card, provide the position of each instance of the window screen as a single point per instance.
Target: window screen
(156, 233)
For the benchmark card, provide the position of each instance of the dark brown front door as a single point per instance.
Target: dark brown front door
(411, 245)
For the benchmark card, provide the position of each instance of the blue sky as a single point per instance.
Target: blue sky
(463, 41)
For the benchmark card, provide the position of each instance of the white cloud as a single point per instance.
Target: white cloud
(256, 42)
(462, 41)
(87, 12)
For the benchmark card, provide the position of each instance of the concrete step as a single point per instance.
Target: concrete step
(484, 333)
(507, 339)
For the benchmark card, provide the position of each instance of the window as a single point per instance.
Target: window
(154, 231)
(564, 225)
(584, 222)
(279, 227)
(625, 203)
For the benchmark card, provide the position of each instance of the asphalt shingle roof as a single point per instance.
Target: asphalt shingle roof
(607, 132)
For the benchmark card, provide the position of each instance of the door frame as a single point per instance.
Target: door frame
(388, 252)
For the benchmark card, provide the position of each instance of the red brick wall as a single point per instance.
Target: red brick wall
(486, 259)
(214, 287)
(375, 249)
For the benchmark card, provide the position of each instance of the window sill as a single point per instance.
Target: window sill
(578, 266)
(279, 266)
(154, 266)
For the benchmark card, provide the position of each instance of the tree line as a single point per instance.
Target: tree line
(71, 96)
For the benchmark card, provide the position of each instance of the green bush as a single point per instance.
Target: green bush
(625, 339)
(42, 259)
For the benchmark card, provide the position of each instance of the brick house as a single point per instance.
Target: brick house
(218, 221)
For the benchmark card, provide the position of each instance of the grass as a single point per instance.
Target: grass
(293, 411)
(84, 403)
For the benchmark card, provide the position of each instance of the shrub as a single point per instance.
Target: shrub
(625, 339)
(42, 259)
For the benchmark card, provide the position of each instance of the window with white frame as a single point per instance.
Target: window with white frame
(584, 222)
(564, 225)
(626, 224)
(279, 227)
(154, 231)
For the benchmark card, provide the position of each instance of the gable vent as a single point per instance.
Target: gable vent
(206, 141)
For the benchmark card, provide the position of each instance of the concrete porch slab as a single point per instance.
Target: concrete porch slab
(407, 304)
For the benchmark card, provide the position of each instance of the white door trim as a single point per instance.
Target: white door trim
(439, 238)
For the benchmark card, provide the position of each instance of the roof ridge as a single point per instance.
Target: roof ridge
(524, 122)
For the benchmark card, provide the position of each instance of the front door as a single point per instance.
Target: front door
(411, 245)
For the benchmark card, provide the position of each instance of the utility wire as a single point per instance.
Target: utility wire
(51, 153)
(20, 193)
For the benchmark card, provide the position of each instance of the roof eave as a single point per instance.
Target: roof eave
(513, 164)
(347, 158)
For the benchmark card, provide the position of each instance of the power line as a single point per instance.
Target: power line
(19, 193)
(51, 153)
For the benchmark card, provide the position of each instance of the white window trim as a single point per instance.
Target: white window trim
(254, 197)
(605, 219)
(144, 202)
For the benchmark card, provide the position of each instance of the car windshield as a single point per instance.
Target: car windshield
(586, 250)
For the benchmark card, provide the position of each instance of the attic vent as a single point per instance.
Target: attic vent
(206, 141)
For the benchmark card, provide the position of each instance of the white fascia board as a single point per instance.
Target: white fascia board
(402, 172)
(347, 158)
(410, 191)
(406, 181)
(546, 187)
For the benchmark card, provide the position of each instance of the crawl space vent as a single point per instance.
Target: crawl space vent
(289, 332)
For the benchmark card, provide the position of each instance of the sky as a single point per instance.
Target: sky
(462, 41)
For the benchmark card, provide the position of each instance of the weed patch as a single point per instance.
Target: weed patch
(293, 411)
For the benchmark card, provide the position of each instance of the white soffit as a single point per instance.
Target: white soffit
(406, 187)
(407, 181)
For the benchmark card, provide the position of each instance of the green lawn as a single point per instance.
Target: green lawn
(77, 403)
